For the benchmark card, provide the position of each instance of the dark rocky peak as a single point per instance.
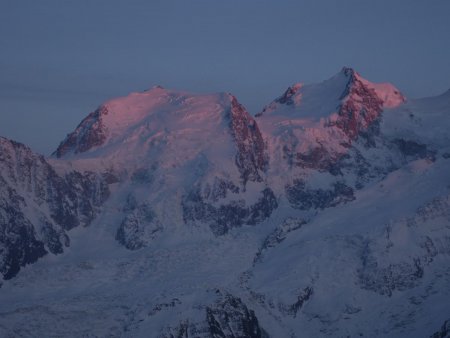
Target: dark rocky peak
(286, 98)
(17, 162)
(353, 80)
(349, 72)
(91, 132)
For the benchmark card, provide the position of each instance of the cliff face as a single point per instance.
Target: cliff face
(90, 133)
(38, 206)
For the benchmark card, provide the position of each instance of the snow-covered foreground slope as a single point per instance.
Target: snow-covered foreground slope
(326, 215)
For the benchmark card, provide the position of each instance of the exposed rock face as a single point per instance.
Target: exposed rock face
(292, 309)
(385, 279)
(159, 133)
(139, 227)
(413, 150)
(343, 142)
(251, 158)
(90, 133)
(18, 243)
(38, 206)
(305, 198)
(279, 235)
(288, 96)
(205, 205)
(228, 317)
(222, 218)
(318, 158)
(360, 108)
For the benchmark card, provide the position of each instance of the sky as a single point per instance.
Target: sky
(61, 59)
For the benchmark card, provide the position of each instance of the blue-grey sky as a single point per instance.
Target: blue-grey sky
(60, 59)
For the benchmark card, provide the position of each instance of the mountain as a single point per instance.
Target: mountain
(39, 206)
(179, 158)
(172, 214)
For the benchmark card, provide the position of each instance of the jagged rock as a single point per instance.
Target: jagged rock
(180, 166)
(18, 240)
(251, 158)
(292, 309)
(360, 108)
(224, 217)
(304, 198)
(384, 280)
(279, 235)
(228, 317)
(139, 227)
(158, 307)
(220, 189)
(90, 133)
(28, 182)
(231, 318)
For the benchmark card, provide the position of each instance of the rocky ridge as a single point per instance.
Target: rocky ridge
(226, 224)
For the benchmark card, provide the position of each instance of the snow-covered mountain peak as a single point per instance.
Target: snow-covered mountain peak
(315, 125)
(169, 130)
(386, 92)
(179, 215)
(140, 117)
(314, 101)
(333, 98)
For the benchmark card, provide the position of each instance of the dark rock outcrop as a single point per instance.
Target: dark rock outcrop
(279, 235)
(90, 133)
(304, 198)
(28, 186)
(228, 317)
(413, 150)
(302, 297)
(251, 158)
(360, 107)
(222, 218)
(138, 228)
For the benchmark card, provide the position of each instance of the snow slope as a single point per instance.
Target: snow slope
(326, 215)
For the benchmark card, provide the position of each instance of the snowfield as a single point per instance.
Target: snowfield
(171, 214)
